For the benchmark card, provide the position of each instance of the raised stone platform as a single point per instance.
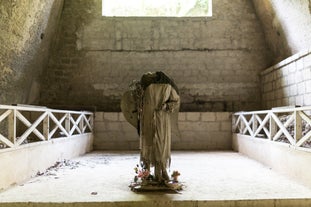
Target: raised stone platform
(217, 179)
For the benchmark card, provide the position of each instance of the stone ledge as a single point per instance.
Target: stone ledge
(279, 202)
(278, 156)
(287, 61)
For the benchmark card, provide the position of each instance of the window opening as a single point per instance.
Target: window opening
(157, 8)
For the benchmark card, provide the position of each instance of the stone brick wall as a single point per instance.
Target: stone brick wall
(215, 61)
(197, 131)
(26, 30)
(286, 25)
(288, 82)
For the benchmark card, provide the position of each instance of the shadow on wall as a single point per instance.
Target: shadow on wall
(274, 31)
(286, 26)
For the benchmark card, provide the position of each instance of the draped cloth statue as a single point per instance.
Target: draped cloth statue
(156, 100)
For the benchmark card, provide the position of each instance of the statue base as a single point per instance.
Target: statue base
(150, 186)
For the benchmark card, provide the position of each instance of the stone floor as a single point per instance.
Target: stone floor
(99, 177)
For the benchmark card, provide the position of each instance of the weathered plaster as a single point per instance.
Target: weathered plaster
(287, 26)
(26, 28)
(215, 61)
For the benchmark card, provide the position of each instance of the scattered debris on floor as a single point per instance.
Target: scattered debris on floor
(223, 176)
(51, 171)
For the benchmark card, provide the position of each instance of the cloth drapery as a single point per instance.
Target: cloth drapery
(159, 101)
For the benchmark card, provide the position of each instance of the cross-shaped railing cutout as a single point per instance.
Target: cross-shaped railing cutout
(282, 128)
(262, 125)
(27, 123)
(247, 124)
(58, 125)
(4, 139)
(307, 136)
(88, 122)
(32, 128)
(75, 124)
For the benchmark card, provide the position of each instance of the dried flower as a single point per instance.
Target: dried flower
(175, 173)
(142, 173)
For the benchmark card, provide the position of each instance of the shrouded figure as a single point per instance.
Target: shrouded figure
(157, 99)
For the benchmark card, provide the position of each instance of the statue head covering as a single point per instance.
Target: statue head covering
(130, 99)
(157, 77)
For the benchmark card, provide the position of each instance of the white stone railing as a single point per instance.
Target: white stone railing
(291, 125)
(25, 124)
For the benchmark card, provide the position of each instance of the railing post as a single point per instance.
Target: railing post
(298, 127)
(67, 123)
(255, 124)
(242, 125)
(81, 123)
(12, 126)
(46, 127)
(273, 128)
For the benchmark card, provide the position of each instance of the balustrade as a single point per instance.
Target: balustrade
(25, 124)
(291, 125)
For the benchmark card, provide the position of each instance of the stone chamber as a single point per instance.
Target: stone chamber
(63, 54)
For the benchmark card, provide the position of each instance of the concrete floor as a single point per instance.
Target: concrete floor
(211, 179)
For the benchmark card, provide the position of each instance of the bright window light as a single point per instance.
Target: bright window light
(157, 8)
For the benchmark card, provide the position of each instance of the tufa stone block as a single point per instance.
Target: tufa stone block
(223, 116)
(111, 116)
(193, 116)
(208, 116)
